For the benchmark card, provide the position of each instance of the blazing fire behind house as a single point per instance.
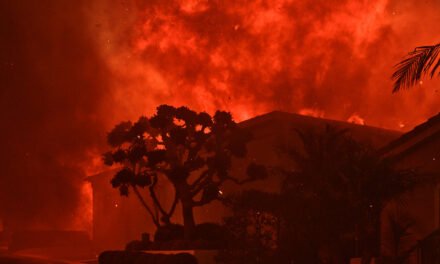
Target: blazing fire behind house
(70, 70)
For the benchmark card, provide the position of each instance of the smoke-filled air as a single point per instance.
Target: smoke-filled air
(71, 70)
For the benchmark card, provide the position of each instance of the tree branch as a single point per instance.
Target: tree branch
(202, 182)
(237, 181)
(193, 151)
(199, 179)
(155, 220)
(154, 197)
(200, 203)
(173, 206)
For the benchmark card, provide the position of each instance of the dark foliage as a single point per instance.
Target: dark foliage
(253, 227)
(342, 186)
(212, 232)
(423, 60)
(204, 232)
(331, 200)
(168, 233)
(191, 150)
(132, 257)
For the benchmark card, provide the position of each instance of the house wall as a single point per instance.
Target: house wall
(270, 134)
(114, 224)
(418, 209)
(424, 200)
(129, 219)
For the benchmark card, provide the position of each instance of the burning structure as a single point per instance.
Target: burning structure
(417, 213)
(71, 69)
(127, 220)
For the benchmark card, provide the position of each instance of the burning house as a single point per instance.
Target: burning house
(410, 223)
(72, 69)
(117, 220)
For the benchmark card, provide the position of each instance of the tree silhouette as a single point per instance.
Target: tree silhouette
(333, 197)
(191, 150)
(423, 60)
(342, 186)
(253, 226)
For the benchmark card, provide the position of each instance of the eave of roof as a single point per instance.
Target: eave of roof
(287, 115)
(297, 119)
(103, 174)
(287, 118)
(414, 147)
(403, 145)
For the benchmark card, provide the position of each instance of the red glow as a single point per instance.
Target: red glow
(103, 62)
(325, 59)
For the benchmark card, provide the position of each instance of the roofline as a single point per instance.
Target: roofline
(275, 114)
(278, 113)
(102, 173)
(414, 147)
(405, 138)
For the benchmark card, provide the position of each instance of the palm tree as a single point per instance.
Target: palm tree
(421, 61)
(343, 185)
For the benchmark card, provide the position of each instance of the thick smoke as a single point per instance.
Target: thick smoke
(52, 92)
(71, 69)
(250, 57)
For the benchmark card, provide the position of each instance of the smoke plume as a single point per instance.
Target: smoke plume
(71, 69)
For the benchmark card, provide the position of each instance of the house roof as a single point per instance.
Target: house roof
(377, 137)
(278, 124)
(95, 178)
(419, 136)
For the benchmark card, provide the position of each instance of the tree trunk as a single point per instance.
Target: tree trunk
(188, 220)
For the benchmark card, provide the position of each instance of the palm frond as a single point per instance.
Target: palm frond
(423, 60)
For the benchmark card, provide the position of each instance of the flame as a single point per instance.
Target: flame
(251, 57)
(312, 112)
(317, 58)
(83, 216)
(356, 119)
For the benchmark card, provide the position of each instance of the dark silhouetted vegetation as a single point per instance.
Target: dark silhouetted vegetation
(254, 228)
(423, 60)
(204, 231)
(171, 237)
(191, 150)
(126, 257)
(329, 207)
(343, 186)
